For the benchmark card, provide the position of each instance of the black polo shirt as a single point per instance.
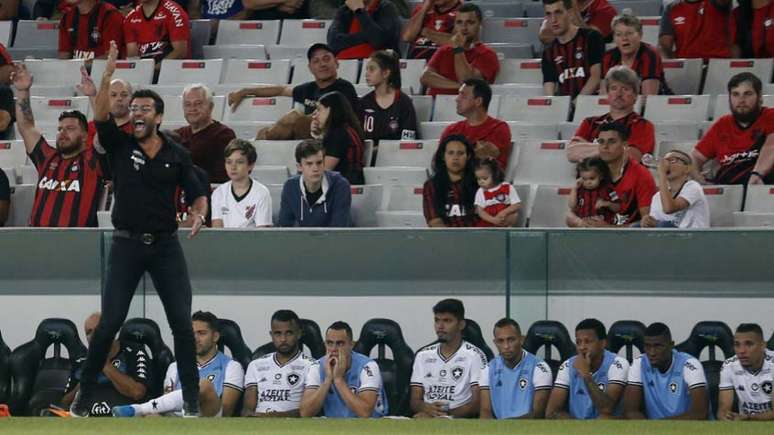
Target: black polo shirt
(144, 187)
(308, 93)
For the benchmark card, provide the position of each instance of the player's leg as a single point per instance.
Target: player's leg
(209, 402)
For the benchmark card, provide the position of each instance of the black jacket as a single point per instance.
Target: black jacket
(381, 30)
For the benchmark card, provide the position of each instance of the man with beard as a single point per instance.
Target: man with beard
(147, 169)
(742, 142)
(70, 177)
(274, 383)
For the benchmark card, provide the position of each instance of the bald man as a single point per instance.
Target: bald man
(123, 380)
(120, 96)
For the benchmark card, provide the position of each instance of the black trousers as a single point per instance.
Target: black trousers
(129, 259)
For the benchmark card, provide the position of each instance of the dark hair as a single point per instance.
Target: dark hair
(748, 77)
(750, 327)
(507, 321)
(244, 146)
(389, 60)
(745, 23)
(567, 3)
(207, 317)
(594, 324)
(341, 326)
(598, 165)
(441, 182)
(285, 316)
(494, 168)
(307, 148)
(450, 306)
(341, 114)
(75, 114)
(622, 130)
(471, 7)
(158, 102)
(481, 89)
(658, 329)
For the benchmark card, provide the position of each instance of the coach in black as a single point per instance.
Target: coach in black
(147, 168)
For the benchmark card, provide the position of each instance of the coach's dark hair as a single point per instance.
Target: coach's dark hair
(750, 327)
(471, 7)
(658, 329)
(593, 324)
(341, 114)
(567, 3)
(307, 148)
(481, 89)
(207, 317)
(598, 165)
(244, 146)
(341, 326)
(285, 316)
(450, 306)
(747, 77)
(390, 61)
(442, 183)
(622, 130)
(75, 114)
(158, 102)
(498, 176)
(507, 321)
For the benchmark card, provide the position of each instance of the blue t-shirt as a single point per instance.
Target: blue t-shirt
(512, 390)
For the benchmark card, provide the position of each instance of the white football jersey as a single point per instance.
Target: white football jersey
(752, 389)
(234, 376)
(253, 210)
(279, 386)
(448, 380)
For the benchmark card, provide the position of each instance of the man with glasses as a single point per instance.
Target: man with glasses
(680, 201)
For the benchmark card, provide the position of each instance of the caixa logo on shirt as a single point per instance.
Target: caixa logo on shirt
(46, 183)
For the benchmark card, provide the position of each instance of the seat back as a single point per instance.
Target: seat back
(423, 107)
(413, 153)
(650, 29)
(304, 33)
(522, 131)
(201, 33)
(504, 50)
(259, 109)
(366, 199)
(403, 198)
(285, 52)
(235, 51)
(512, 30)
(248, 32)
(55, 71)
(182, 71)
(134, 71)
(12, 153)
(683, 76)
(547, 334)
(146, 333)
(401, 219)
(760, 199)
(543, 162)
(676, 131)
(410, 72)
(257, 71)
(527, 71)
(472, 334)
(311, 337)
(686, 108)
(277, 152)
(627, 334)
(395, 175)
(36, 34)
(534, 109)
(432, 130)
(22, 198)
(723, 201)
(396, 372)
(719, 71)
(6, 31)
(47, 110)
(231, 337)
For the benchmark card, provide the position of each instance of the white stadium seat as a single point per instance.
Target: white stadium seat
(403, 197)
(445, 108)
(47, 110)
(523, 89)
(650, 29)
(43, 34)
(276, 52)
(534, 109)
(395, 175)
(683, 76)
(181, 71)
(432, 130)
(719, 71)
(270, 174)
(277, 152)
(526, 71)
(12, 153)
(365, 201)
(686, 108)
(542, 162)
(235, 51)
(415, 153)
(348, 70)
(303, 33)
(522, 131)
(28, 174)
(201, 32)
(723, 201)
(525, 195)
(257, 71)
(248, 32)
(760, 199)
(410, 72)
(54, 71)
(676, 131)
(6, 29)
(753, 219)
(166, 89)
(135, 71)
(247, 129)
(173, 108)
(596, 105)
(550, 206)
(505, 51)
(259, 109)
(275, 191)
(52, 91)
(567, 129)
(511, 30)
(401, 219)
(423, 107)
(22, 197)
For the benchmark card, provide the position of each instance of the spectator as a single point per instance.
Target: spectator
(336, 124)
(465, 56)
(589, 385)
(6, 65)
(665, 383)
(680, 201)
(516, 384)
(5, 198)
(388, 113)
(279, 9)
(205, 137)
(448, 196)
(9, 10)
(752, 29)
(241, 202)
(431, 26)
(592, 197)
(124, 379)
(571, 64)
(343, 383)
(742, 142)
(221, 9)
(326, 9)
(641, 57)
(120, 97)
(592, 14)
(49, 9)
(491, 136)
(295, 125)
(696, 29)
(7, 112)
(70, 175)
(361, 27)
(497, 202)
(157, 29)
(86, 29)
(316, 197)
(454, 366)
(621, 96)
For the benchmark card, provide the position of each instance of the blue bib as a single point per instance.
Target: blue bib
(666, 394)
(512, 390)
(334, 405)
(215, 372)
(581, 407)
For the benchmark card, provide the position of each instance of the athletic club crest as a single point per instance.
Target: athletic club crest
(522, 383)
(673, 387)
(250, 212)
(457, 373)
(438, 25)
(293, 379)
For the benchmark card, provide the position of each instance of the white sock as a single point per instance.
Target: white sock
(169, 402)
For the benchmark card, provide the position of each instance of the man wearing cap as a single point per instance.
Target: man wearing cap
(295, 125)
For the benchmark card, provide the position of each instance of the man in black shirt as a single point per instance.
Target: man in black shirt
(295, 125)
(147, 168)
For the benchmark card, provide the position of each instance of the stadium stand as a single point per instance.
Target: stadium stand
(628, 335)
(146, 333)
(181, 71)
(719, 71)
(366, 199)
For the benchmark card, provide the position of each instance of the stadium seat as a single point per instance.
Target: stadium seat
(275, 191)
(275, 72)
(523, 89)
(413, 153)
(5, 371)
(396, 372)
(47, 110)
(6, 31)
(201, 34)
(22, 197)
(395, 175)
(512, 51)
(760, 199)
(401, 207)
(304, 33)
(596, 105)
(146, 332)
(135, 71)
(567, 130)
(512, 30)
(55, 71)
(432, 130)
(259, 109)
(39, 380)
(445, 108)
(723, 201)
(348, 70)
(527, 71)
(32, 34)
(423, 107)
(231, 338)
(524, 131)
(173, 108)
(401, 219)
(628, 334)
(12, 153)
(640, 8)
(52, 91)
(683, 76)
(500, 9)
(719, 71)
(753, 219)
(410, 72)
(664, 147)
(277, 152)
(366, 199)
(247, 129)
(270, 174)
(720, 106)
(27, 53)
(525, 195)
(248, 32)
(650, 29)
(167, 89)
(180, 71)
(550, 334)
(104, 219)
(686, 108)
(234, 51)
(676, 131)
(542, 162)
(534, 109)
(276, 52)
(311, 337)
(549, 208)
(472, 334)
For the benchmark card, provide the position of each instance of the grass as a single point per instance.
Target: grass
(173, 426)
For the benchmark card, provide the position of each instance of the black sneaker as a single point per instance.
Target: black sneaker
(190, 409)
(80, 405)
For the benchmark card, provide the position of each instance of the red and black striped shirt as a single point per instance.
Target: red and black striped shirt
(569, 64)
(586, 205)
(457, 214)
(68, 189)
(345, 144)
(647, 64)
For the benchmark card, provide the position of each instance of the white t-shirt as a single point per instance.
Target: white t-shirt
(254, 210)
(233, 378)
(697, 215)
(279, 387)
(448, 380)
(753, 389)
(542, 378)
(693, 378)
(616, 373)
(370, 377)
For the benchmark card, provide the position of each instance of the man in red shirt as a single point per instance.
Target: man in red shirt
(753, 29)
(742, 142)
(430, 27)
(622, 86)
(86, 30)
(594, 14)
(158, 29)
(361, 27)
(491, 136)
(696, 29)
(465, 57)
